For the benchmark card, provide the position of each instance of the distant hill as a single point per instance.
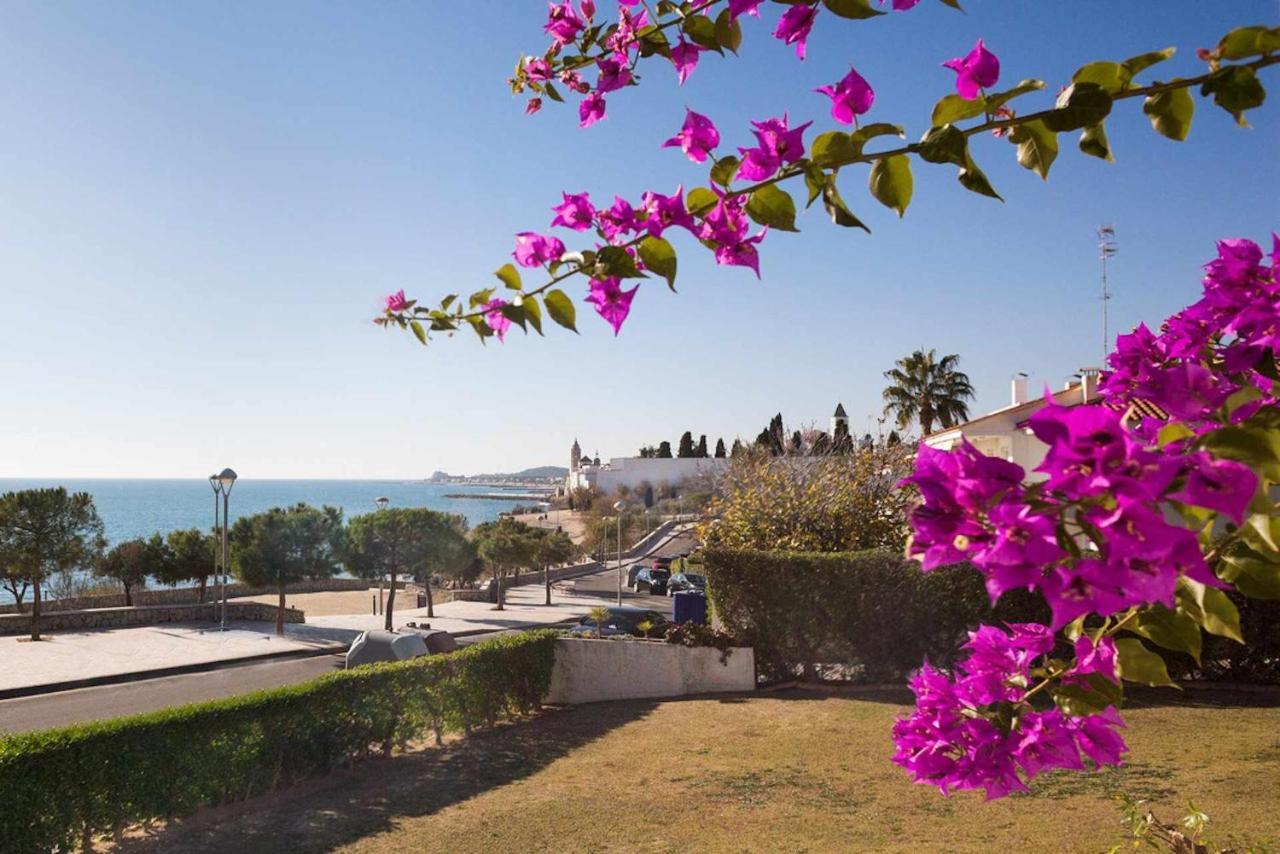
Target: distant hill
(526, 474)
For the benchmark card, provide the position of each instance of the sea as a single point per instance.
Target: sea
(139, 508)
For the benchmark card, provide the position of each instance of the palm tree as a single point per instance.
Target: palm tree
(927, 389)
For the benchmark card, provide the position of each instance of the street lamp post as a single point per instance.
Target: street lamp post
(222, 483)
(619, 507)
(217, 531)
(381, 503)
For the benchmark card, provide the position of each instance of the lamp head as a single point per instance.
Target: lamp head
(381, 502)
(227, 479)
(620, 506)
(213, 481)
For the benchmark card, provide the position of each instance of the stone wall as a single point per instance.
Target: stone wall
(146, 615)
(590, 671)
(187, 595)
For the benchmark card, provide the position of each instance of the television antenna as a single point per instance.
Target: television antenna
(1106, 248)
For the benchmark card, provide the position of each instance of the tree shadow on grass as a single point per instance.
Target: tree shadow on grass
(372, 797)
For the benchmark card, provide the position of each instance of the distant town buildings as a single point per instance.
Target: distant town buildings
(635, 472)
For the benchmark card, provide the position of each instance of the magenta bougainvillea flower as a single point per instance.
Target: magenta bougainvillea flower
(533, 106)
(1097, 658)
(563, 23)
(497, 321)
(612, 302)
(739, 7)
(534, 250)
(396, 301)
(591, 110)
(779, 145)
(742, 254)
(576, 212)
(625, 35)
(903, 5)
(975, 71)
(795, 25)
(684, 56)
(537, 68)
(663, 212)
(619, 220)
(850, 98)
(697, 137)
(614, 74)
(588, 8)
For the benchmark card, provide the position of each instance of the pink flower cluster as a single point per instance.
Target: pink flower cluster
(566, 25)
(1210, 350)
(975, 730)
(1103, 494)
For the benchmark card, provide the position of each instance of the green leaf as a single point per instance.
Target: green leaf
(1253, 444)
(1037, 146)
(480, 297)
(954, 4)
(1139, 664)
(838, 210)
(728, 31)
(1174, 431)
(699, 200)
(1097, 694)
(856, 9)
(815, 180)
(891, 182)
(418, 331)
(561, 309)
(514, 313)
(1235, 89)
(509, 276)
(999, 99)
(1094, 143)
(701, 30)
(1244, 42)
(1170, 112)
(652, 40)
(724, 170)
(834, 149)
(868, 132)
(1137, 64)
(659, 257)
(944, 144)
(1111, 76)
(617, 261)
(773, 207)
(552, 92)
(1209, 607)
(952, 108)
(975, 180)
(1252, 575)
(1259, 532)
(1079, 105)
(533, 313)
(1171, 629)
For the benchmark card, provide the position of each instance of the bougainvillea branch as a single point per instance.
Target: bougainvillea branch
(631, 238)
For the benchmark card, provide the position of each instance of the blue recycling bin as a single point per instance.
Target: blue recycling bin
(689, 607)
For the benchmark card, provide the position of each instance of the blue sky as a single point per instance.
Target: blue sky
(201, 206)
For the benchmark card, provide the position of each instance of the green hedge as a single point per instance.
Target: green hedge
(874, 614)
(58, 785)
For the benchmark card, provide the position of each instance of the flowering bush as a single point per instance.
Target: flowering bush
(744, 199)
(1137, 525)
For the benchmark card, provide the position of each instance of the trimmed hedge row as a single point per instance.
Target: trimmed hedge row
(873, 614)
(63, 786)
(876, 616)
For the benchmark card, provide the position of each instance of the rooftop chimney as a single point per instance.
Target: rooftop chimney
(1089, 384)
(1018, 389)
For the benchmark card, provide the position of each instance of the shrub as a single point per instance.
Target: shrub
(872, 613)
(70, 782)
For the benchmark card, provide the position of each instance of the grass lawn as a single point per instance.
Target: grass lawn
(799, 770)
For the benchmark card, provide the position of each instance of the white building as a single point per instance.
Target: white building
(1004, 433)
(634, 472)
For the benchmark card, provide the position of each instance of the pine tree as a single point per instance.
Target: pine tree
(701, 451)
(719, 449)
(664, 450)
(738, 449)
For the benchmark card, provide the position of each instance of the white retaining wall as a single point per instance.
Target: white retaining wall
(589, 670)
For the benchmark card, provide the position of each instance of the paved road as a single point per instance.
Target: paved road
(111, 701)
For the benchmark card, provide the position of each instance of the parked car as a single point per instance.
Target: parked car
(622, 620)
(686, 582)
(653, 580)
(632, 572)
(661, 563)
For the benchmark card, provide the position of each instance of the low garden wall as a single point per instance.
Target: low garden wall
(144, 615)
(188, 595)
(589, 670)
(69, 785)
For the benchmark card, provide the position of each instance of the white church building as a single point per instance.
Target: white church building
(634, 472)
